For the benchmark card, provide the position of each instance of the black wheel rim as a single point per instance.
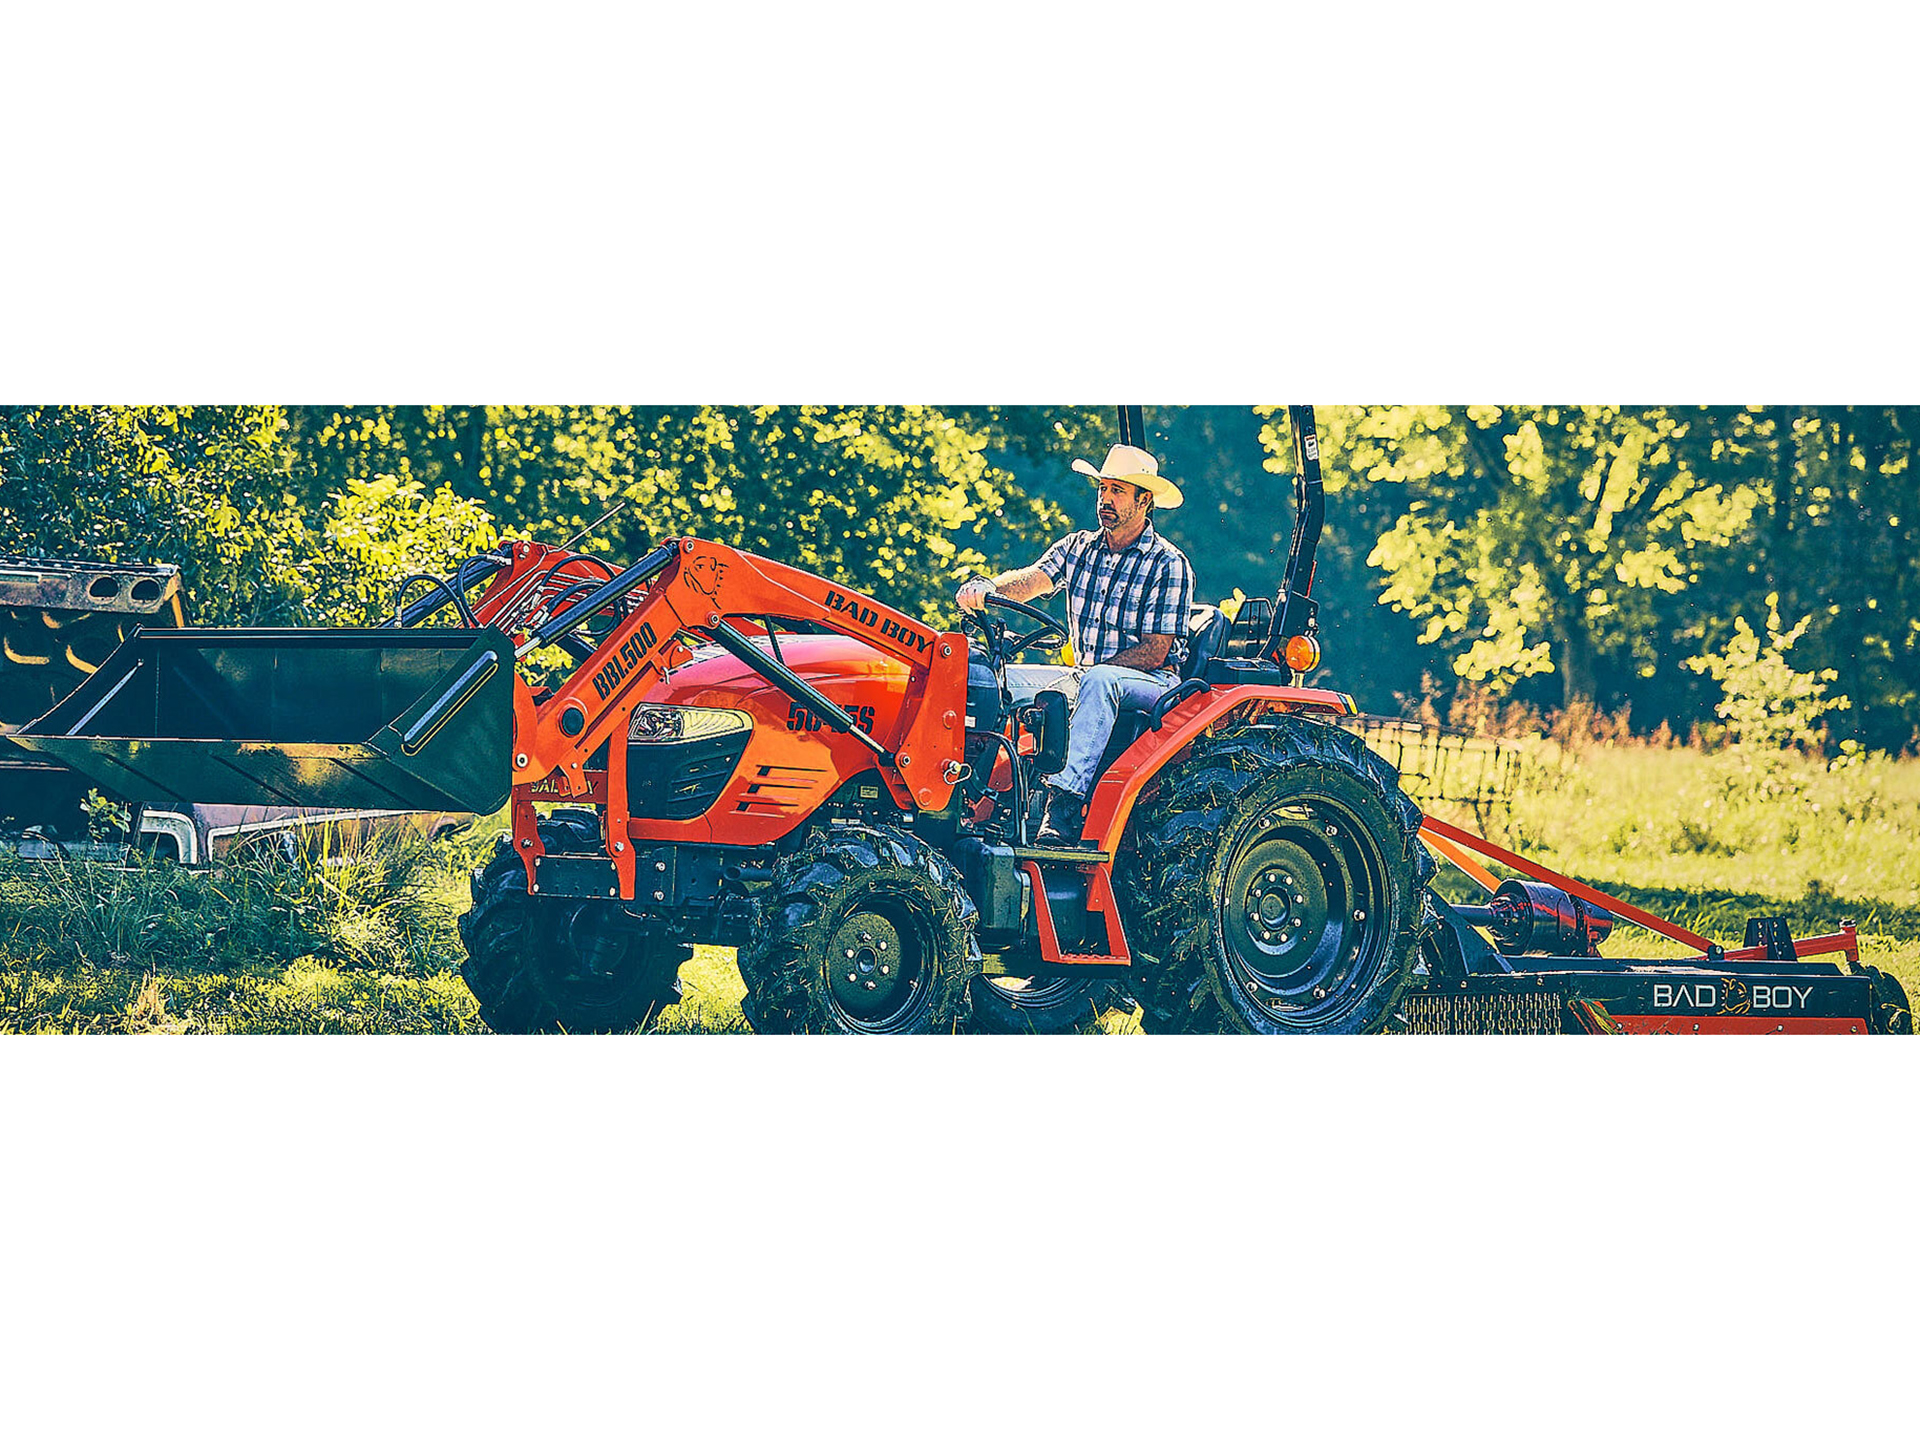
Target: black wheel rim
(877, 972)
(1304, 916)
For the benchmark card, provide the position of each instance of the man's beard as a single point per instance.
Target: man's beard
(1109, 519)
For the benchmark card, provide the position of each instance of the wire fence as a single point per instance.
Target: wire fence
(1440, 764)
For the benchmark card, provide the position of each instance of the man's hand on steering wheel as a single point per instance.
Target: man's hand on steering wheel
(1049, 634)
(972, 596)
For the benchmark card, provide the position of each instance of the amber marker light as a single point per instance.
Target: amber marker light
(1303, 653)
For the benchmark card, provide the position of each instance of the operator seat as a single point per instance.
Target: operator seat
(1207, 631)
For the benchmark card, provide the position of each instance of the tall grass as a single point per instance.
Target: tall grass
(272, 944)
(267, 943)
(1711, 838)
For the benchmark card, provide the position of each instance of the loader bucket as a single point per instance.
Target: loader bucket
(61, 619)
(358, 719)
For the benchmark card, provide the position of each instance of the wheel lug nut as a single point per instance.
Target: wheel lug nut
(1359, 914)
(849, 954)
(1319, 992)
(873, 984)
(885, 970)
(1332, 831)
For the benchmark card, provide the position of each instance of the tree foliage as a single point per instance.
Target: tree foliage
(897, 500)
(1537, 540)
(1767, 701)
(1600, 549)
(378, 534)
(196, 486)
(1608, 554)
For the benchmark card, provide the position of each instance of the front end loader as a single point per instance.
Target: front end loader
(64, 621)
(708, 746)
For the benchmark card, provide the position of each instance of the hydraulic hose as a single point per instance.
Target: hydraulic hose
(446, 591)
(629, 579)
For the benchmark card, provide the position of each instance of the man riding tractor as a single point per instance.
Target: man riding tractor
(1128, 596)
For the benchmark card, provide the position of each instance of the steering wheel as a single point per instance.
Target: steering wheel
(1049, 634)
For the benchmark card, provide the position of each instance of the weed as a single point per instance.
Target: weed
(1690, 837)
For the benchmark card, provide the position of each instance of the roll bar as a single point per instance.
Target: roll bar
(1295, 611)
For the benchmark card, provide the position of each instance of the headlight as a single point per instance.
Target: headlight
(664, 724)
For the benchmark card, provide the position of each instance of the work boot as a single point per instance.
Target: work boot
(1066, 813)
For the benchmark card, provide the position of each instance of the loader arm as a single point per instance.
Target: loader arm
(698, 588)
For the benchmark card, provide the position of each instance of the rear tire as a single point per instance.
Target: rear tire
(561, 965)
(1273, 884)
(867, 930)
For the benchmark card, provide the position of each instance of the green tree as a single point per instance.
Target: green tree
(376, 535)
(1766, 701)
(896, 500)
(1834, 542)
(197, 486)
(1534, 540)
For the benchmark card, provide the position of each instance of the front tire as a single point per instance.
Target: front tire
(561, 965)
(1274, 885)
(867, 930)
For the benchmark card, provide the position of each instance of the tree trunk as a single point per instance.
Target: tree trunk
(470, 431)
(1576, 662)
(1781, 569)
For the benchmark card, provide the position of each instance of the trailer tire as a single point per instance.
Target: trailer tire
(541, 966)
(1273, 883)
(1892, 1011)
(891, 899)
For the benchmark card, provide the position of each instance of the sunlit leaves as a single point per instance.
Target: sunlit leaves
(1543, 532)
(894, 499)
(1766, 701)
(379, 532)
(196, 486)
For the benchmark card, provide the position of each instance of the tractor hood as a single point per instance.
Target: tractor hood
(869, 686)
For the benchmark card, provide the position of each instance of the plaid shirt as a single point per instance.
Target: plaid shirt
(1115, 599)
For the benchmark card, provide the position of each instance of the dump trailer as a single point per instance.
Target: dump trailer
(709, 746)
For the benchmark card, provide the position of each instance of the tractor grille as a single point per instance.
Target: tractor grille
(681, 780)
(1531, 1012)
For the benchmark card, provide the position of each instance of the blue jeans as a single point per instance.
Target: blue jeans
(1104, 691)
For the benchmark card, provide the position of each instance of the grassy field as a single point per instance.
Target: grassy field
(1709, 840)
(264, 946)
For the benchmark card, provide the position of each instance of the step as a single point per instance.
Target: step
(1063, 854)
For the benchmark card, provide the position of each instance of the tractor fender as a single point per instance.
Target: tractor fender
(1111, 804)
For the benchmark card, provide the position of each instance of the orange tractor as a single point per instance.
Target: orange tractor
(742, 753)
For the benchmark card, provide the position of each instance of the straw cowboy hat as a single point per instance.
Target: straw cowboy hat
(1136, 467)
